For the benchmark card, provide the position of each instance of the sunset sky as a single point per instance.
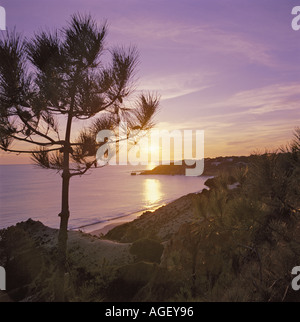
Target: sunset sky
(228, 67)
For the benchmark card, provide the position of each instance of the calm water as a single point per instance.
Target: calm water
(104, 194)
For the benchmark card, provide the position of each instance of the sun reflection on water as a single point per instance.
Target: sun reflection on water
(152, 191)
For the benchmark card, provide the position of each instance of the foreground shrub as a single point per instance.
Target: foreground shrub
(148, 250)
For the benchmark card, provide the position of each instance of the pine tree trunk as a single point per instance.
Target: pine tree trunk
(62, 240)
(64, 219)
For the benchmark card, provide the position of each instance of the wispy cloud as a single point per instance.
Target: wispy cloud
(246, 121)
(271, 98)
(176, 84)
(202, 38)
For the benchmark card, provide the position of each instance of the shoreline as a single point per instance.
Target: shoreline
(101, 228)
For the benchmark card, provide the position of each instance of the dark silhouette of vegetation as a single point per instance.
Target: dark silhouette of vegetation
(246, 240)
(55, 79)
(148, 250)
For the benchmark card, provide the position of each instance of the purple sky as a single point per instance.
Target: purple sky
(230, 67)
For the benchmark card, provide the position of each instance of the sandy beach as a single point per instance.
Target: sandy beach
(180, 209)
(106, 229)
(102, 228)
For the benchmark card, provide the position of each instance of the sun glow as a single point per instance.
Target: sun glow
(152, 152)
(152, 191)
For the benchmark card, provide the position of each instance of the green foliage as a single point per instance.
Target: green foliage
(244, 242)
(29, 270)
(124, 233)
(148, 250)
(129, 280)
(90, 285)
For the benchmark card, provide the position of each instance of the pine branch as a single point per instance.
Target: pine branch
(26, 123)
(26, 151)
(84, 170)
(36, 142)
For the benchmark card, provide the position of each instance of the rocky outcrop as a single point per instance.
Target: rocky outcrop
(212, 166)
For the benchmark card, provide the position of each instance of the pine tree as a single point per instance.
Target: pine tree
(57, 78)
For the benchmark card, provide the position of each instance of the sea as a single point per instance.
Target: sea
(102, 195)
